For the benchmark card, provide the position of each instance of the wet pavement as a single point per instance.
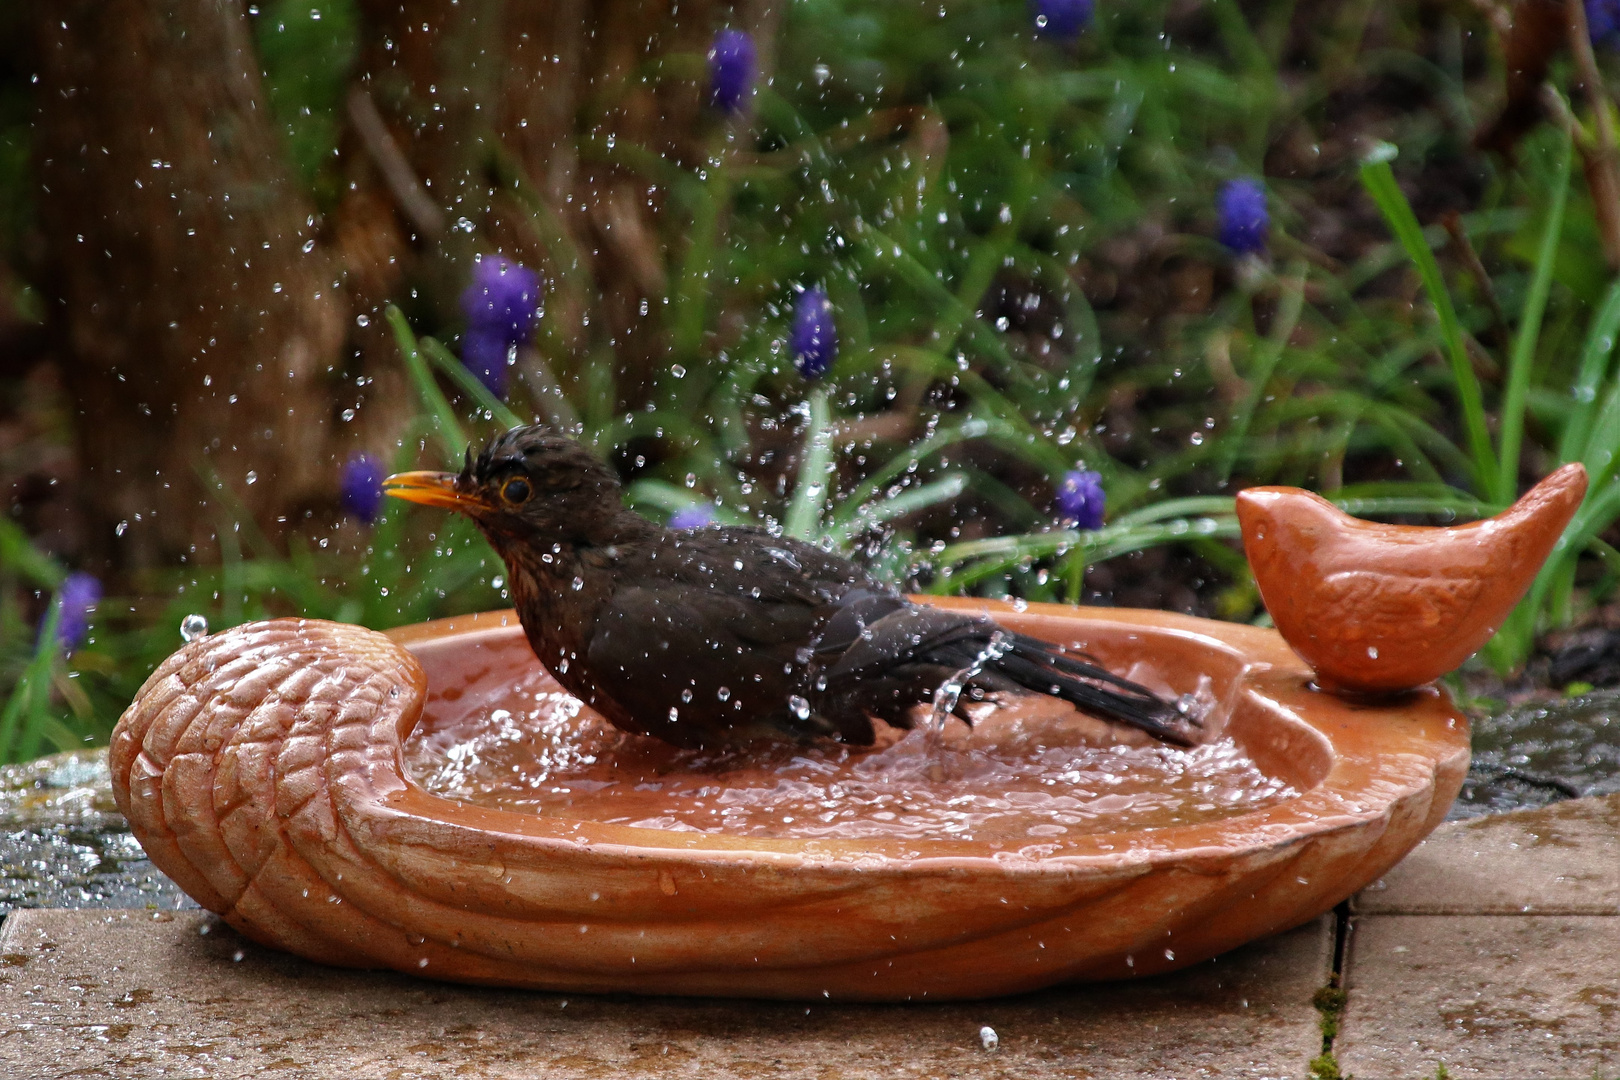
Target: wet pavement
(1492, 952)
(148, 994)
(64, 844)
(1542, 752)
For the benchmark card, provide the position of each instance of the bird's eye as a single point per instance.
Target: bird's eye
(516, 491)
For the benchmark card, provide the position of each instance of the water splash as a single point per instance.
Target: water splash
(949, 694)
(193, 628)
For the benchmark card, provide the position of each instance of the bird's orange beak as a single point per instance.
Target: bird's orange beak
(431, 489)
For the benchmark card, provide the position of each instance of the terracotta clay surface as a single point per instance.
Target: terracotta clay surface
(261, 768)
(1375, 608)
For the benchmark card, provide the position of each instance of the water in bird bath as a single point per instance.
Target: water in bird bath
(508, 736)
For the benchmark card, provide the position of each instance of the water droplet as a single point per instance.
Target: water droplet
(724, 693)
(988, 1037)
(800, 707)
(193, 626)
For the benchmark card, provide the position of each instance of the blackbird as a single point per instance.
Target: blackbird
(723, 635)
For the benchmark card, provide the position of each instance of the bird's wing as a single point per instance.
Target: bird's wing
(716, 629)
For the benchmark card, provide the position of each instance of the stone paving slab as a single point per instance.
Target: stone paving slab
(149, 994)
(1562, 859)
(1490, 997)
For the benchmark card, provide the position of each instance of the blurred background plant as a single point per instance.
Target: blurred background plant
(1004, 298)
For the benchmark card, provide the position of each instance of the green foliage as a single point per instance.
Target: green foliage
(1591, 421)
(914, 161)
(1325, 1067)
(958, 186)
(1329, 1001)
(394, 571)
(307, 48)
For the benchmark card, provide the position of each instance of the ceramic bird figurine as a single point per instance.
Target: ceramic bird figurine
(725, 635)
(1377, 608)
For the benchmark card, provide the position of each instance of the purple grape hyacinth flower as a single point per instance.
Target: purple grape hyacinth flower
(77, 599)
(1241, 216)
(1603, 23)
(814, 338)
(501, 306)
(731, 70)
(692, 517)
(1080, 499)
(360, 491)
(1061, 19)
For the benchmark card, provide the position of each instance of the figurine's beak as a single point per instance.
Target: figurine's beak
(431, 489)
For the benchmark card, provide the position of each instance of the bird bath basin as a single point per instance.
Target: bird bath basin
(270, 770)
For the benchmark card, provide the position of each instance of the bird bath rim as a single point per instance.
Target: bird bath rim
(224, 784)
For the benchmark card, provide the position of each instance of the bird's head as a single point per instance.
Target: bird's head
(526, 486)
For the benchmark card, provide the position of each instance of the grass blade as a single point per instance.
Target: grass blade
(669, 498)
(18, 554)
(804, 512)
(1379, 180)
(25, 711)
(1511, 413)
(1293, 303)
(873, 514)
(1589, 379)
(446, 361)
(445, 423)
(905, 460)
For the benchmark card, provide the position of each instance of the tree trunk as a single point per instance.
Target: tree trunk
(198, 324)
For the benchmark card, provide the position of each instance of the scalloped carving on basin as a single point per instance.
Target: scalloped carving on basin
(262, 769)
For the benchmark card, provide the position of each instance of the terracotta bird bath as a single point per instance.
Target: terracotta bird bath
(262, 768)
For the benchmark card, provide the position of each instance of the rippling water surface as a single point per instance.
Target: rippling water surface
(1022, 772)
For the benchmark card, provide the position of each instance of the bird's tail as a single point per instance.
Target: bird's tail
(892, 655)
(1050, 669)
(1011, 661)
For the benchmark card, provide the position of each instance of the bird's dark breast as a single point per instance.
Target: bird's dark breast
(557, 619)
(676, 664)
